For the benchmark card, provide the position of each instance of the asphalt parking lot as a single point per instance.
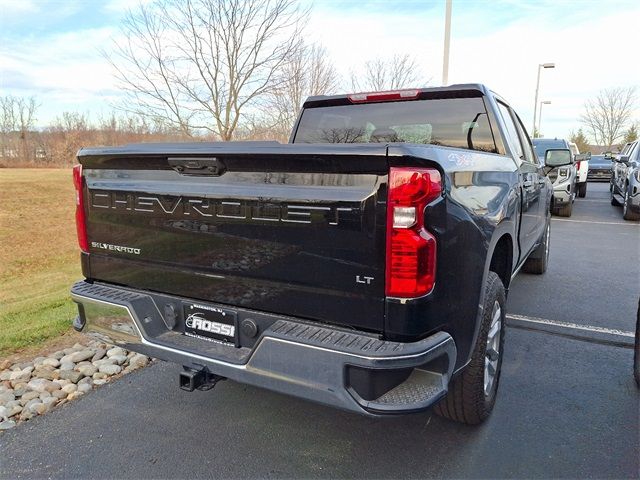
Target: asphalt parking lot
(567, 407)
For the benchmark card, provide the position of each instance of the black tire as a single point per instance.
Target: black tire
(582, 190)
(466, 401)
(627, 214)
(564, 211)
(614, 201)
(538, 260)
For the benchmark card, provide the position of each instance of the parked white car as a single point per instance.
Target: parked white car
(582, 169)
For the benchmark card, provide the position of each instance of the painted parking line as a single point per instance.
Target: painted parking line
(630, 224)
(588, 333)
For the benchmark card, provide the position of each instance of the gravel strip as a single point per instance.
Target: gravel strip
(34, 387)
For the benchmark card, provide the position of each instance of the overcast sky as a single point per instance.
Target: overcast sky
(51, 48)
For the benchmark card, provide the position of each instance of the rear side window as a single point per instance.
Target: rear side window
(451, 122)
(512, 132)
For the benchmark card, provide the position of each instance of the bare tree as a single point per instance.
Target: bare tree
(309, 72)
(607, 115)
(197, 64)
(18, 115)
(401, 71)
(7, 123)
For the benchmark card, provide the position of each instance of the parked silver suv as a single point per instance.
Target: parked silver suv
(563, 179)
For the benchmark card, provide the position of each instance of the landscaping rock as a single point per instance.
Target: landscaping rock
(31, 405)
(28, 396)
(20, 389)
(84, 387)
(59, 394)
(38, 361)
(119, 359)
(138, 361)
(87, 370)
(45, 371)
(25, 415)
(67, 358)
(81, 356)
(42, 408)
(13, 410)
(7, 397)
(39, 384)
(34, 387)
(7, 425)
(116, 351)
(110, 369)
(51, 362)
(69, 388)
(74, 395)
(20, 375)
(100, 353)
(71, 375)
(67, 366)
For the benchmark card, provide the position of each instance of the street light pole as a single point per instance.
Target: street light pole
(447, 41)
(535, 105)
(543, 102)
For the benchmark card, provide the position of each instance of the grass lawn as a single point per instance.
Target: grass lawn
(39, 258)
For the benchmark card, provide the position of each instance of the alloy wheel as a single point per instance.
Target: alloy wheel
(492, 355)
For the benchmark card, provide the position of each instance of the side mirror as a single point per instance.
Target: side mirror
(557, 157)
(623, 159)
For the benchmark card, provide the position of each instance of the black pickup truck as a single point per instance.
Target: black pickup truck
(364, 265)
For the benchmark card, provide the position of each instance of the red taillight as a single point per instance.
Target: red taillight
(81, 224)
(411, 249)
(386, 96)
(578, 166)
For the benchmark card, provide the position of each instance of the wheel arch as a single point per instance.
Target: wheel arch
(501, 259)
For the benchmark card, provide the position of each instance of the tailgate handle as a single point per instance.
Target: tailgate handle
(197, 166)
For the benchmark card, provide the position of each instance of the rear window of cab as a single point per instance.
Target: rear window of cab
(451, 122)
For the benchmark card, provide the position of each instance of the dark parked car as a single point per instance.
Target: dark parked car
(365, 265)
(600, 167)
(625, 181)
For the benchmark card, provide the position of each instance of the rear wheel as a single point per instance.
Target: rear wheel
(627, 214)
(614, 201)
(564, 211)
(539, 258)
(582, 190)
(472, 394)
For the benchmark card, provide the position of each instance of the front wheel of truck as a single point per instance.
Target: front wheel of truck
(539, 258)
(472, 393)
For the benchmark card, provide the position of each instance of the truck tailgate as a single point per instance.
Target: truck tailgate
(291, 229)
